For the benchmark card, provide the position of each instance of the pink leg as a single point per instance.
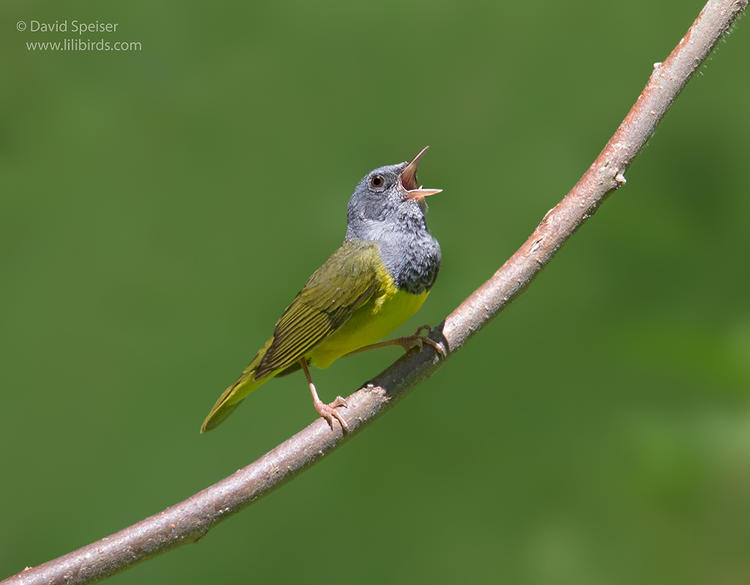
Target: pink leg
(408, 342)
(327, 411)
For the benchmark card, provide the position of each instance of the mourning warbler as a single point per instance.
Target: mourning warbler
(374, 282)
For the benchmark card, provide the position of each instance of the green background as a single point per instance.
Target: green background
(160, 208)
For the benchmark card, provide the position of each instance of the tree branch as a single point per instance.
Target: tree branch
(192, 518)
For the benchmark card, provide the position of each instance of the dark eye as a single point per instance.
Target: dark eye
(377, 182)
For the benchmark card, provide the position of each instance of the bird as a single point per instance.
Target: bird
(376, 280)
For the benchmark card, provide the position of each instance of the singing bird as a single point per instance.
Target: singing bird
(378, 278)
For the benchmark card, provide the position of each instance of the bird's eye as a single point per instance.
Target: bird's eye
(377, 182)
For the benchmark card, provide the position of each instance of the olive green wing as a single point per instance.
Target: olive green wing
(347, 280)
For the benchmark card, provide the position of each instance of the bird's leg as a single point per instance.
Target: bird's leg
(408, 342)
(327, 411)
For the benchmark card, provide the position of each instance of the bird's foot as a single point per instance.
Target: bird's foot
(418, 340)
(329, 412)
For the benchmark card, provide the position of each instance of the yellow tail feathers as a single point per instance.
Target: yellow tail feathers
(236, 393)
(228, 401)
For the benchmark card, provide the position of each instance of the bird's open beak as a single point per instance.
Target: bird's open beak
(410, 188)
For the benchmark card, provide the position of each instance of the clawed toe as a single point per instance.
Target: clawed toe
(438, 347)
(340, 401)
(329, 412)
(422, 329)
(419, 338)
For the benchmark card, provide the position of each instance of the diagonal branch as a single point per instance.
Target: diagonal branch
(192, 518)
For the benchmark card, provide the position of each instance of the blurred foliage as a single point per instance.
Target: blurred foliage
(160, 208)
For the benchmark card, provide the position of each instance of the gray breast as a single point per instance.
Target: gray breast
(413, 260)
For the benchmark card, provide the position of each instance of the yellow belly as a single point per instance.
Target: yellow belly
(369, 324)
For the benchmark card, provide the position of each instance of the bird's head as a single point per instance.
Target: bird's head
(388, 196)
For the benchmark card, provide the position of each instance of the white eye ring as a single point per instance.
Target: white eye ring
(377, 182)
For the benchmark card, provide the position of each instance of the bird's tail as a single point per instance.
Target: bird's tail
(236, 393)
